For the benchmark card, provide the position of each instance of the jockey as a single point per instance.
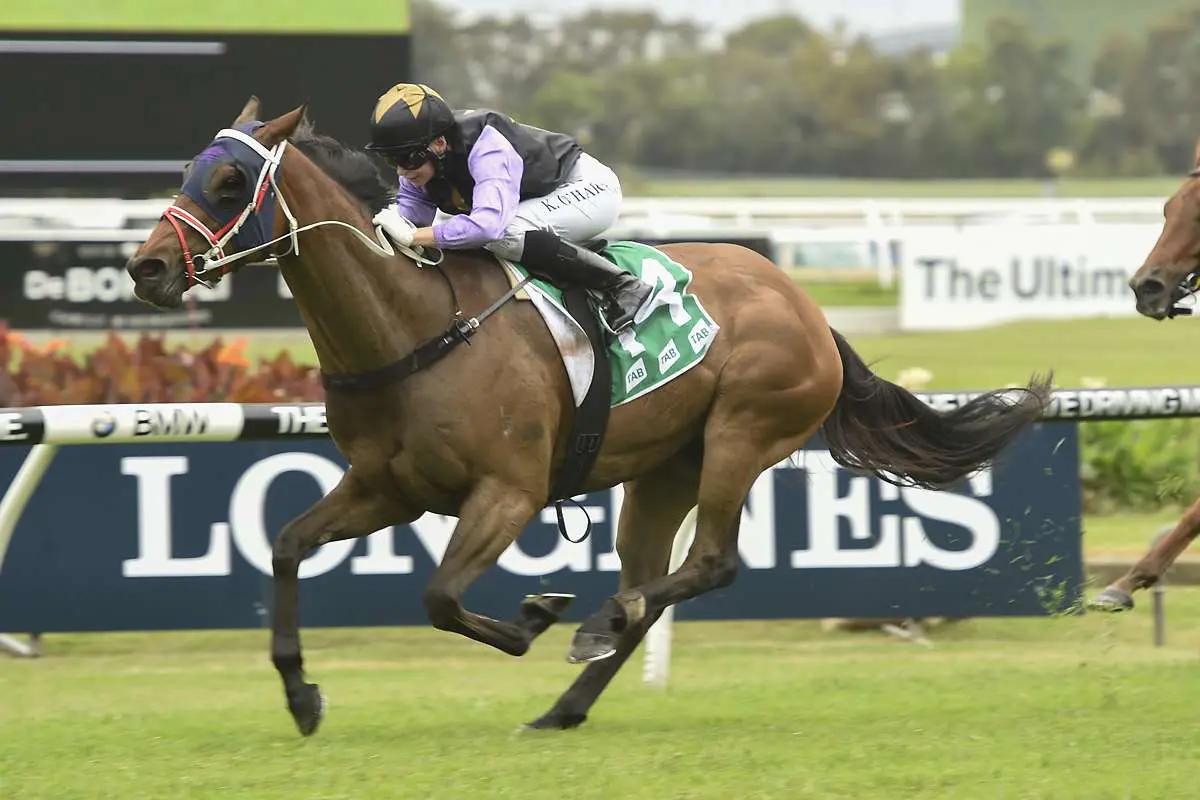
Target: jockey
(523, 193)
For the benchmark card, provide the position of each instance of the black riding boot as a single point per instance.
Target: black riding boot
(561, 261)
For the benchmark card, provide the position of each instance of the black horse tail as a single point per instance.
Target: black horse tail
(882, 428)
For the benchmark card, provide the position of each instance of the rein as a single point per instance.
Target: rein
(1186, 288)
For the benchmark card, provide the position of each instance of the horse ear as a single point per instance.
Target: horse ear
(282, 127)
(305, 126)
(249, 112)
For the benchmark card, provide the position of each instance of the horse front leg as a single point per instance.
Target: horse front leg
(491, 519)
(347, 512)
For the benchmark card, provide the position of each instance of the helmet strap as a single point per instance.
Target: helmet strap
(438, 161)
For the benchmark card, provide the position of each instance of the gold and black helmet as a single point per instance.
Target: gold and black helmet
(407, 117)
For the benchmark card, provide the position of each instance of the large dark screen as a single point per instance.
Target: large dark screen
(117, 115)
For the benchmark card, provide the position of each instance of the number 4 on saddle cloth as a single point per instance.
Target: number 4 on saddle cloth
(670, 334)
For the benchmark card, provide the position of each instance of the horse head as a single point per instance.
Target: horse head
(1171, 271)
(229, 207)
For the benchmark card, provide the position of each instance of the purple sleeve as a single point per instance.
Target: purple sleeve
(497, 170)
(413, 205)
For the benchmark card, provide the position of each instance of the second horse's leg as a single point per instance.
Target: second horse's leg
(1150, 569)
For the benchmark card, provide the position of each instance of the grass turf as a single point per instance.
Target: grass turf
(1045, 708)
(845, 294)
(1123, 351)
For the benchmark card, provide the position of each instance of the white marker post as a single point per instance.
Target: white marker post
(657, 660)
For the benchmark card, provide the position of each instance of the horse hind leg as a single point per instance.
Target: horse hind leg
(653, 509)
(742, 438)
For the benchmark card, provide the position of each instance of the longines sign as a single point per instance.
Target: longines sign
(178, 535)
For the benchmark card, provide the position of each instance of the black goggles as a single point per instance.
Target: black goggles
(407, 159)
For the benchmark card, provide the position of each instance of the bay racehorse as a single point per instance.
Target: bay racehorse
(479, 432)
(1170, 273)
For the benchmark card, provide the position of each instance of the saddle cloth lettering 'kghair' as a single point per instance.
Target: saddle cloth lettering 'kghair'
(670, 334)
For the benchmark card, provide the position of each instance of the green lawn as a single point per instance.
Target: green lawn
(834, 294)
(345, 16)
(1070, 707)
(1124, 535)
(1123, 351)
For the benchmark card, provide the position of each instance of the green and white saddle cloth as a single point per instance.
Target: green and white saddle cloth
(670, 334)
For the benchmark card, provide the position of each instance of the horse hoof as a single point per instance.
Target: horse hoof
(308, 708)
(550, 604)
(1111, 601)
(589, 647)
(555, 721)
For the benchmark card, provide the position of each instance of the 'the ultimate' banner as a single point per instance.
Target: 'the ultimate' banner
(978, 275)
(178, 535)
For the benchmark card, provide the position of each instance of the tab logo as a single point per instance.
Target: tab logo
(701, 332)
(668, 357)
(636, 374)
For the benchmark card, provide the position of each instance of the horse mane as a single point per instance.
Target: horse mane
(367, 178)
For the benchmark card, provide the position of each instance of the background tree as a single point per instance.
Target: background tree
(779, 97)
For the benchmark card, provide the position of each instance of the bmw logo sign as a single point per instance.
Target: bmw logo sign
(103, 425)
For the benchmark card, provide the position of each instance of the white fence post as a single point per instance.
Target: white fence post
(657, 659)
(21, 489)
(14, 502)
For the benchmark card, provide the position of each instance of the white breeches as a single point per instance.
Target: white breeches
(581, 208)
